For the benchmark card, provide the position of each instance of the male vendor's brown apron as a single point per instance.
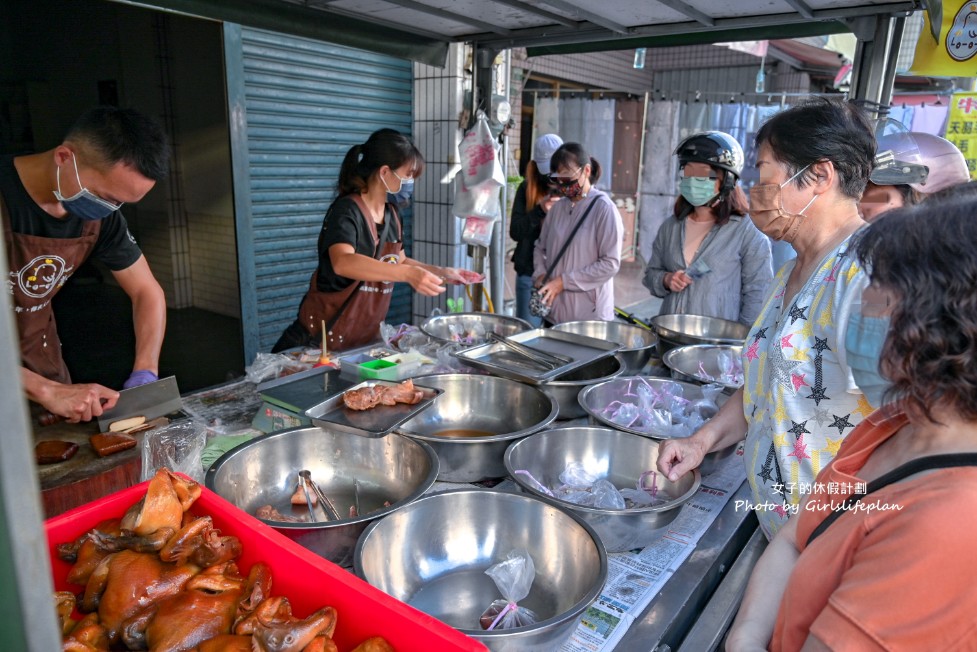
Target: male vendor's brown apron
(39, 268)
(353, 315)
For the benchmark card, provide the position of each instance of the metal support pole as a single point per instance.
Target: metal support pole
(895, 43)
(26, 600)
(871, 58)
(482, 88)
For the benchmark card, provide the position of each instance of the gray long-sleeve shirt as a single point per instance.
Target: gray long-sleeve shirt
(590, 262)
(739, 260)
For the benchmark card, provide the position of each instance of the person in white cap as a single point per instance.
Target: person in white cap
(908, 167)
(534, 198)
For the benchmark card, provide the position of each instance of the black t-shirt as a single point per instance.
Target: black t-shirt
(345, 224)
(115, 246)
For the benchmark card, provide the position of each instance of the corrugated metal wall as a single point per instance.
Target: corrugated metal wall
(296, 107)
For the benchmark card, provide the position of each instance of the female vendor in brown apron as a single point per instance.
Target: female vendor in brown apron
(361, 249)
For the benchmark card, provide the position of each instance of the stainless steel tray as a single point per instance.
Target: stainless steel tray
(375, 422)
(500, 360)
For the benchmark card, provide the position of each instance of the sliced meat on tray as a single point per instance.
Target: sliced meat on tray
(369, 397)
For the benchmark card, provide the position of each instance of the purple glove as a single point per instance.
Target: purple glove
(140, 377)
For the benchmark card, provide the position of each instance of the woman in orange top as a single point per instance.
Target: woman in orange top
(894, 571)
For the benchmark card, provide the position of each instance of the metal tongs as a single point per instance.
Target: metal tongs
(543, 359)
(306, 482)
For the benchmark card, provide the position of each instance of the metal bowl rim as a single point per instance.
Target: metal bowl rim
(585, 392)
(429, 480)
(670, 334)
(577, 607)
(674, 352)
(565, 504)
(550, 418)
(510, 318)
(623, 348)
(621, 368)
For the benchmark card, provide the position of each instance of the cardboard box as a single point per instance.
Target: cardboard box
(309, 581)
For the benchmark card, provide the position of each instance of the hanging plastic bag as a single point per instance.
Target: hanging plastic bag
(479, 155)
(514, 578)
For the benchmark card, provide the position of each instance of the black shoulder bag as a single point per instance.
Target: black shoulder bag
(948, 461)
(536, 305)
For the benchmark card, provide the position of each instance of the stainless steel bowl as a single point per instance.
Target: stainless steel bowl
(619, 457)
(439, 327)
(679, 330)
(264, 471)
(564, 389)
(639, 343)
(596, 398)
(689, 362)
(476, 418)
(433, 555)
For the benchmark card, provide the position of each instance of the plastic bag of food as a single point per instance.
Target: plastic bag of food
(178, 446)
(514, 577)
(645, 492)
(625, 414)
(272, 365)
(606, 495)
(575, 476)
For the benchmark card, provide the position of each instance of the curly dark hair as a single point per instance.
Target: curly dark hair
(926, 256)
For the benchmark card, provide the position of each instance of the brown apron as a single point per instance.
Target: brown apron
(353, 315)
(39, 267)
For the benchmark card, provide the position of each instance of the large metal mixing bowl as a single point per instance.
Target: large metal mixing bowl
(350, 470)
(639, 343)
(679, 330)
(617, 456)
(476, 418)
(596, 398)
(564, 389)
(692, 362)
(439, 327)
(433, 555)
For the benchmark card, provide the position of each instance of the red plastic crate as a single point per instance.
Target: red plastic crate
(309, 581)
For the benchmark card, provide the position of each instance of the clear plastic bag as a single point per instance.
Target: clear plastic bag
(575, 476)
(272, 365)
(606, 495)
(514, 578)
(178, 446)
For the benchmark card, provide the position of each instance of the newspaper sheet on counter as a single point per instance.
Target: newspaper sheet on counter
(635, 578)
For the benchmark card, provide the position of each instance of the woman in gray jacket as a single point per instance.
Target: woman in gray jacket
(709, 259)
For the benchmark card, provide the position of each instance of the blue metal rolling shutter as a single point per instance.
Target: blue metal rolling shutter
(305, 103)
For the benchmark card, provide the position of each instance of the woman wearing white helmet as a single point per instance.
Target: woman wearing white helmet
(908, 167)
(708, 258)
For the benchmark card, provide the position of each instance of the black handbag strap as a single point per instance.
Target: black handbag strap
(948, 461)
(566, 244)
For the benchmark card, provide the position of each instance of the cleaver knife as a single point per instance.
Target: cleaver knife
(151, 400)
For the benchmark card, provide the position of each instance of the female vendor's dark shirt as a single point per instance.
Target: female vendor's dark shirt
(345, 224)
(115, 247)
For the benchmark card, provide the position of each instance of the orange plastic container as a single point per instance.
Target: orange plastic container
(309, 581)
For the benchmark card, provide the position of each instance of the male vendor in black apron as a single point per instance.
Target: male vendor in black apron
(61, 207)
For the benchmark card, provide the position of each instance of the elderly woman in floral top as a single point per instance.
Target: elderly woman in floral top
(799, 400)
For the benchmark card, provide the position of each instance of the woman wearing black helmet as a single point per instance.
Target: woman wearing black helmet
(708, 259)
